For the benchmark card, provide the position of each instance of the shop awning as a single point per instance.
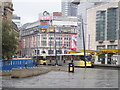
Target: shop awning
(70, 51)
(96, 52)
(114, 51)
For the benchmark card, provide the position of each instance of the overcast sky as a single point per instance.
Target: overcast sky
(28, 10)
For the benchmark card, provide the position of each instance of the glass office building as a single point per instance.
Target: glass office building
(68, 8)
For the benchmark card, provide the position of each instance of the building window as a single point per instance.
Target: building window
(50, 52)
(44, 37)
(59, 51)
(38, 43)
(112, 47)
(5, 11)
(38, 52)
(101, 47)
(100, 25)
(66, 37)
(51, 36)
(66, 44)
(58, 37)
(43, 43)
(51, 43)
(111, 23)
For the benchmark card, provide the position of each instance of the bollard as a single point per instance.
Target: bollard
(71, 67)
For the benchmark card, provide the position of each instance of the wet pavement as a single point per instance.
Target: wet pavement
(82, 78)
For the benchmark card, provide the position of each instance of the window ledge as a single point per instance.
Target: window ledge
(100, 41)
(112, 40)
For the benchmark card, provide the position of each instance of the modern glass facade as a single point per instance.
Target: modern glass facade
(101, 57)
(112, 47)
(100, 25)
(111, 23)
(68, 8)
(101, 47)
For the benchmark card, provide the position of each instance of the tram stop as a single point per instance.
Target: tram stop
(71, 67)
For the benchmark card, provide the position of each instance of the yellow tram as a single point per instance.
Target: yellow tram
(43, 59)
(78, 60)
(65, 59)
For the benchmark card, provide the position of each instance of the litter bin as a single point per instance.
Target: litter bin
(71, 67)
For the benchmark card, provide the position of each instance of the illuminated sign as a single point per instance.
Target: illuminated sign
(43, 29)
(63, 40)
(51, 29)
(42, 26)
(46, 16)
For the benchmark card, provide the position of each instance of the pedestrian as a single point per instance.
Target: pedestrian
(64, 60)
(112, 61)
(26, 64)
(115, 61)
(109, 61)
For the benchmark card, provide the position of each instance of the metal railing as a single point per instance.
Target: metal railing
(8, 65)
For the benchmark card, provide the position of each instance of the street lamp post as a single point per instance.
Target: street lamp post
(50, 44)
(55, 46)
(89, 42)
(50, 37)
(77, 2)
(37, 34)
(84, 43)
(37, 48)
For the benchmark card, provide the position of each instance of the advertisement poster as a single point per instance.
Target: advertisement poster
(73, 40)
(63, 41)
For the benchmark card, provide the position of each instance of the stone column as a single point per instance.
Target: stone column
(106, 56)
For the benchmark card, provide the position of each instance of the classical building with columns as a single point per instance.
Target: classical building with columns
(50, 35)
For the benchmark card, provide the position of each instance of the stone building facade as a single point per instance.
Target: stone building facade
(54, 38)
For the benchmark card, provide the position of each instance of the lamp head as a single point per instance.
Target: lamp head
(77, 2)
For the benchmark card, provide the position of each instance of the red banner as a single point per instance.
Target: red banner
(63, 41)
